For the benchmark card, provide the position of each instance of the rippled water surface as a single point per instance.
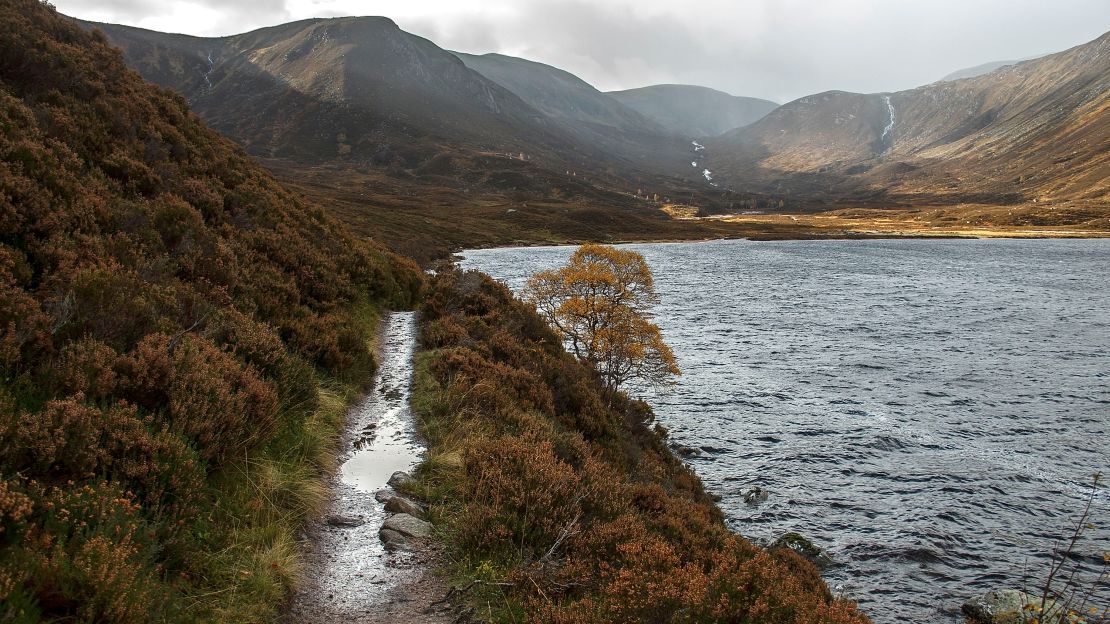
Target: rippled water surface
(928, 411)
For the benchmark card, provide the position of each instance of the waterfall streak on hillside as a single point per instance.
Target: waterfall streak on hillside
(890, 124)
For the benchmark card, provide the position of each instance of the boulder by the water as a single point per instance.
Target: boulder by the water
(755, 496)
(1008, 606)
(409, 526)
(805, 548)
(686, 451)
(400, 479)
(400, 504)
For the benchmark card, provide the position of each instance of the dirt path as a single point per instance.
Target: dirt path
(350, 576)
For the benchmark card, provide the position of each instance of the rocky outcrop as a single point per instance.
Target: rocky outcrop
(1011, 606)
(801, 545)
(755, 496)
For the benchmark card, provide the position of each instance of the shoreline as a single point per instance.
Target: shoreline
(977, 234)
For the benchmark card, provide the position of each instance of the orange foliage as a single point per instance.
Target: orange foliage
(600, 303)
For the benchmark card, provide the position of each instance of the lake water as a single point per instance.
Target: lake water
(928, 411)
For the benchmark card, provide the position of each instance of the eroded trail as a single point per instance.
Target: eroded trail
(351, 576)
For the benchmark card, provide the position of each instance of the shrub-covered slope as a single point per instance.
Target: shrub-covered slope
(167, 312)
(563, 504)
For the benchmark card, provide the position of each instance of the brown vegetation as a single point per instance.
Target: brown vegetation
(165, 306)
(559, 507)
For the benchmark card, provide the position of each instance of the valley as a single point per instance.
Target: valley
(432, 150)
(285, 338)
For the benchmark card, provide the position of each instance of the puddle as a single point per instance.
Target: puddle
(382, 423)
(349, 571)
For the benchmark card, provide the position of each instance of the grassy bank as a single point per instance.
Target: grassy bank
(559, 503)
(246, 560)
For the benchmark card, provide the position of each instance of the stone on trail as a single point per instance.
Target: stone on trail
(400, 504)
(392, 539)
(346, 522)
(400, 479)
(383, 496)
(408, 526)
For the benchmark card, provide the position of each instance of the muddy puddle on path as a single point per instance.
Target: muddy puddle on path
(349, 574)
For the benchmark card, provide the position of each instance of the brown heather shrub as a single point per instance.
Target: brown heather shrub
(334, 341)
(88, 367)
(521, 495)
(209, 396)
(260, 346)
(571, 509)
(82, 552)
(74, 441)
(485, 386)
(24, 327)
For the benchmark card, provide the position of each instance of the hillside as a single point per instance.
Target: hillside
(321, 89)
(978, 70)
(178, 337)
(694, 112)
(564, 498)
(1035, 130)
(360, 91)
(393, 116)
(383, 126)
(557, 93)
(592, 117)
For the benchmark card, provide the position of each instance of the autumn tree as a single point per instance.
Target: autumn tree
(600, 303)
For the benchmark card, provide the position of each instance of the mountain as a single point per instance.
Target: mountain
(166, 311)
(592, 117)
(557, 93)
(978, 70)
(361, 93)
(1038, 129)
(692, 111)
(352, 88)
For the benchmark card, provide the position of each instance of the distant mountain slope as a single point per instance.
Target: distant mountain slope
(1039, 128)
(556, 92)
(978, 70)
(355, 88)
(694, 111)
(361, 91)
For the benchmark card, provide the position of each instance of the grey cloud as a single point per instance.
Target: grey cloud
(776, 49)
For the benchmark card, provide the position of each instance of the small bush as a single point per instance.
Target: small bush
(212, 398)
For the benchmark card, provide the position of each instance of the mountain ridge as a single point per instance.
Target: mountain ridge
(402, 105)
(1003, 134)
(694, 111)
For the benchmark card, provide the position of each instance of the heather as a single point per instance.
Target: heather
(557, 495)
(179, 336)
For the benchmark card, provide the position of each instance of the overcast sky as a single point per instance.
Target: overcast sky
(775, 49)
